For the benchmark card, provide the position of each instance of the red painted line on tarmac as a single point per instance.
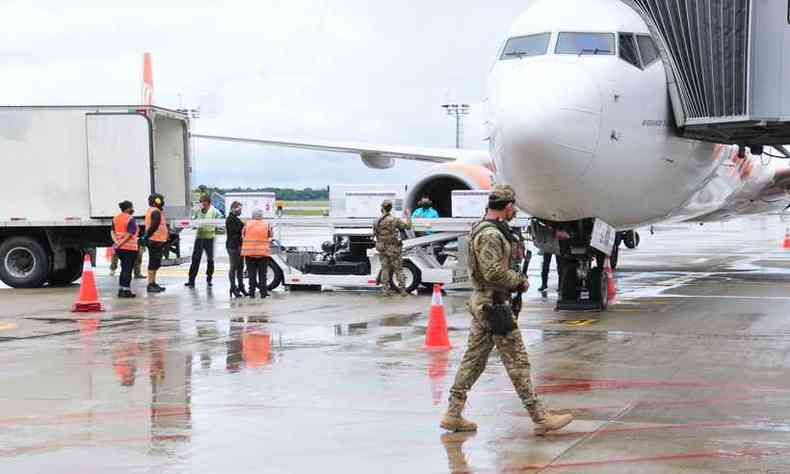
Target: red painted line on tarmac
(638, 429)
(746, 452)
(575, 384)
(670, 403)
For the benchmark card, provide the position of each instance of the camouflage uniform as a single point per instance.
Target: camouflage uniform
(388, 245)
(493, 260)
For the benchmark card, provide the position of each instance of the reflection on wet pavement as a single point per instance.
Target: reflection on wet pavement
(688, 372)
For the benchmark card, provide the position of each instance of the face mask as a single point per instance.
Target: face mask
(237, 211)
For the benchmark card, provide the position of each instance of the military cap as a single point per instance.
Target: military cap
(502, 193)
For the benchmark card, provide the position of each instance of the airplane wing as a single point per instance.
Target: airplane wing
(373, 156)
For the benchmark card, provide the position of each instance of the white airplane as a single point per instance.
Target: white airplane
(580, 124)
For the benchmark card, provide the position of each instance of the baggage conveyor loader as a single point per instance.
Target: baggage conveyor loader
(350, 259)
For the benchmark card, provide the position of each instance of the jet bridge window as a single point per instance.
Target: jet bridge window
(585, 43)
(532, 45)
(628, 51)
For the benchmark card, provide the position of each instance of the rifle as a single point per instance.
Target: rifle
(517, 303)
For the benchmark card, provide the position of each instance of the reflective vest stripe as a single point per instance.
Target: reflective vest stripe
(120, 225)
(161, 234)
(256, 239)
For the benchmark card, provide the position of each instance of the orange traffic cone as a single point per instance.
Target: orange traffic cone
(436, 338)
(611, 288)
(786, 244)
(88, 301)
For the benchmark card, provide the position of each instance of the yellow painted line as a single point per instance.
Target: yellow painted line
(579, 322)
(7, 326)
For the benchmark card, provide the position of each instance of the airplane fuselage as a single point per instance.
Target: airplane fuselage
(581, 126)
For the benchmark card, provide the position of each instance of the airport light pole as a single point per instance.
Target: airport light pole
(458, 111)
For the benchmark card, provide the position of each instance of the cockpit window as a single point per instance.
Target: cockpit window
(648, 49)
(532, 45)
(585, 43)
(628, 51)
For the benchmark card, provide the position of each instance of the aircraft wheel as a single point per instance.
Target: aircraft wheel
(630, 239)
(599, 287)
(615, 257)
(569, 282)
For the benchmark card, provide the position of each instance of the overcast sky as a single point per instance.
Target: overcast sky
(352, 70)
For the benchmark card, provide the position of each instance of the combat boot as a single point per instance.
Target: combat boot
(453, 420)
(545, 420)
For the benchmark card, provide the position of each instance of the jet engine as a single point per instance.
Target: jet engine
(442, 180)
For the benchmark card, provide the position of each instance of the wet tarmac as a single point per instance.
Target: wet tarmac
(688, 372)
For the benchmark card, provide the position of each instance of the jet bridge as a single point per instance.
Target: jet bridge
(727, 67)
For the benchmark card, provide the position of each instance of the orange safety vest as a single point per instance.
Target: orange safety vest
(256, 239)
(120, 225)
(161, 234)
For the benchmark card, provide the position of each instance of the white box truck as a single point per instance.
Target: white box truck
(66, 168)
(265, 201)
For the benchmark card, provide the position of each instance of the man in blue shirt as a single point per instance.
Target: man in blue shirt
(425, 210)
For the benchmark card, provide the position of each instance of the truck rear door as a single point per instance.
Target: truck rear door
(119, 161)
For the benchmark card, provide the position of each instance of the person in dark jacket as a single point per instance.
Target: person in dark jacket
(234, 227)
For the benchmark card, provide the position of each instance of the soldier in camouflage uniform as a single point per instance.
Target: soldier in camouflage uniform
(493, 253)
(388, 245)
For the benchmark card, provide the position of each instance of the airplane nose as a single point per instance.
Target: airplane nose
(548, 123)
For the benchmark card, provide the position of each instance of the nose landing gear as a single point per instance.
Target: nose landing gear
(583, 280)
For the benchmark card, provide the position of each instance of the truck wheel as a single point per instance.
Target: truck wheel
(412, 274)
(72, 272)
(24, 263)
(599, 289)
(274, 276)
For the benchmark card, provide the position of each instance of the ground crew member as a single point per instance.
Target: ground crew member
(491, 262)
(234, 227)
(124, 237)
(256, 249)
(138, 263)
(425, 210)
(156, 237)
(204, 242)
(544, 271)
(388, 245)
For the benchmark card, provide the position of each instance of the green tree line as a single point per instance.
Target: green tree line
(283, 194)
